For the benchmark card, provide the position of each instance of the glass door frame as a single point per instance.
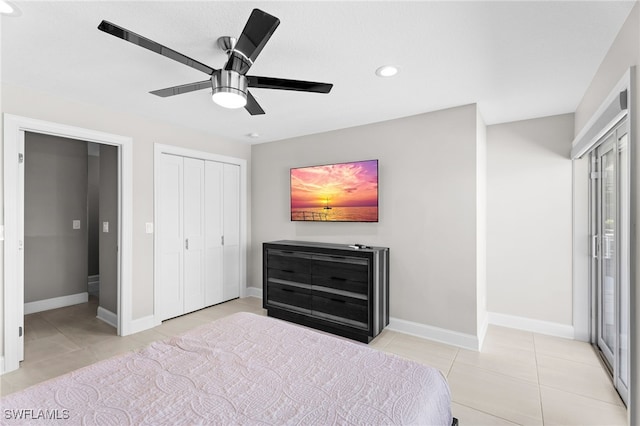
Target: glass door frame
(616, 140)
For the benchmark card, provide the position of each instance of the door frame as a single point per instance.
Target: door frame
(15, 127)
(610, 142)
(600, 123)
(158, 150)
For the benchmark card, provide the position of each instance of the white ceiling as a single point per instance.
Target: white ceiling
(516, 60)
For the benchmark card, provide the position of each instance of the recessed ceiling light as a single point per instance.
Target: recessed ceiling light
(8, 8)
(253, 135)
(386, 71)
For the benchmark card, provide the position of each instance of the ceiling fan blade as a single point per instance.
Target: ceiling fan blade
(151, 45)
(252, 105)
(184, 88)
(284, 84)
(254, 37)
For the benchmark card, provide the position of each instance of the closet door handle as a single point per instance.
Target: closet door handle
(186, 243)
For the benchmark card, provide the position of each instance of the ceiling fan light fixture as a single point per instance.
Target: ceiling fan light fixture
(231, 100)
(229, 89)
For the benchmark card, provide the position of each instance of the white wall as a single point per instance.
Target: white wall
(529, 219)
(1, 221)
(428, 183)
(623, 54)
(145, 132)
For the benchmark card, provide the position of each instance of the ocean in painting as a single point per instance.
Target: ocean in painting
(335, 214)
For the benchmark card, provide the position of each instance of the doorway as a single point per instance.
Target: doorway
(610, 270)
(15, 128)
(70, 188)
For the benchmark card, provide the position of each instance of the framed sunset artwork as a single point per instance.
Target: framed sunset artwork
(342, 192)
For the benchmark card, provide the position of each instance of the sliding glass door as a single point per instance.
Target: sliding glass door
(610, 252)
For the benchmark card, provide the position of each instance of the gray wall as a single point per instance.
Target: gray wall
(93, 189)
(55, 195)
(109, 240)
(428, 203)
(529, 219)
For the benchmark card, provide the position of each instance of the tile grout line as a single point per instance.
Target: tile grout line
(535, 354)
(498, 373)
(599, 367)
(487, 413)
(455, 357)
(613, 404)
(550, 355)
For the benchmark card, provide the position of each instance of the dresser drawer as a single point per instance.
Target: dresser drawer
(343, 275)
(289, 275)
(289, 262)
(294, 297)
(339, 306)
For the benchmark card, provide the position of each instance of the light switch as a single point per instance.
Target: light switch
(148, 228)
(76, 224)
(105, 226)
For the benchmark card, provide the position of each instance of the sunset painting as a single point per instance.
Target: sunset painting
(346, 192)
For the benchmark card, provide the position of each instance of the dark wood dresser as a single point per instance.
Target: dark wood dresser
(331, 287)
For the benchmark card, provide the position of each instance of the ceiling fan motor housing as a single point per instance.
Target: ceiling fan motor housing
(223, 81)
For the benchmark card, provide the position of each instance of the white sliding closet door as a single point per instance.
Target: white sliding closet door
(231, 220)
(214, 233)
(170, 238)
(198, 233)
(194, 202)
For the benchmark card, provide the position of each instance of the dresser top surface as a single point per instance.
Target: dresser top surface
(313, 244)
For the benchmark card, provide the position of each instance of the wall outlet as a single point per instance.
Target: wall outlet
(148, 228)
(105, 226)
(76, 224)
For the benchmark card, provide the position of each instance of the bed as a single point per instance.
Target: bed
(241, 369)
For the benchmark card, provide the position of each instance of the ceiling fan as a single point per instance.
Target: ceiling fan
(230, 84)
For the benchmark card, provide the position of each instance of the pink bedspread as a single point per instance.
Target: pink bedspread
(242, 369)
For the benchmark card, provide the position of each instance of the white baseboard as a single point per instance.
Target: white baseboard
(253, 292)
(107, 316)
(462, 340)
(533, 325)
(55, 303)
(142, 324)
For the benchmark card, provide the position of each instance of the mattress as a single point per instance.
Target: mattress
(241, 369)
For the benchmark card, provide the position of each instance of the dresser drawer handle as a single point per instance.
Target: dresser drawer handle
(288, 289)
(337, 300)
(338, 279)
(288, 271)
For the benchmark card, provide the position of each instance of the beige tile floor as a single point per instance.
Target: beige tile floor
(519, 378)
